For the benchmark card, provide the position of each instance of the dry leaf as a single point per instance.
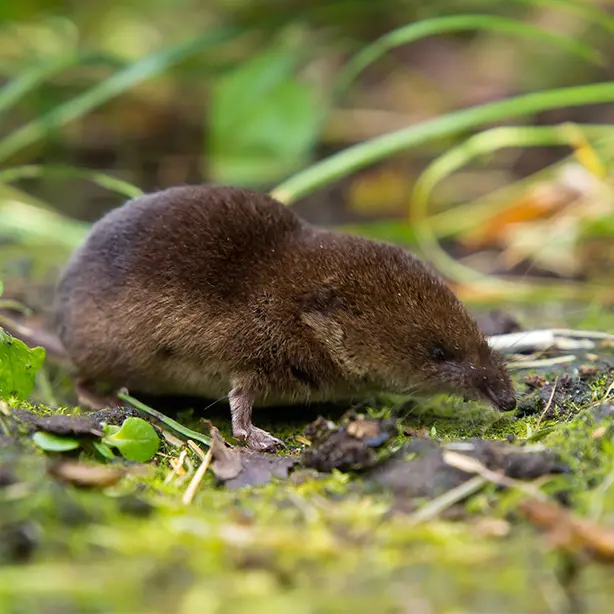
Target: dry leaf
(226, 463)
(87, 474)
(568, 532)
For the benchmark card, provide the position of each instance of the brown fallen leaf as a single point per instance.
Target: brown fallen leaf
(226, 460)
(568, 532)
(239, 467)
(77, 425)
(587, 371)
(86, 474)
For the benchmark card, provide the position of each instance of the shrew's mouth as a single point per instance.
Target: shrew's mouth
(504, 402)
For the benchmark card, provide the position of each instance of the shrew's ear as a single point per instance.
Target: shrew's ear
(321, 313)
(322, 300)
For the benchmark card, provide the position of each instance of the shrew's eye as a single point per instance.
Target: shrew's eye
(438, 354)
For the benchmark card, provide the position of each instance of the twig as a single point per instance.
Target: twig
(449, 498)
(196, 449)
(174, 441)
(471, 465)
(177, 466)
(539, 420)
(538, 364)
(544, 339)
(188, 495)
(583, 334)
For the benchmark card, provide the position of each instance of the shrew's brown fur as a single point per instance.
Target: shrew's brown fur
(209, 290)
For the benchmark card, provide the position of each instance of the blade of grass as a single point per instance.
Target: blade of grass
(20, 221)
(340, 165)
(121, 81)
(34, 76)
(67, 172)
(172, 424)
(438, 25)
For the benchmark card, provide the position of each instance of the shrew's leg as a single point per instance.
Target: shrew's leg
(241, 403)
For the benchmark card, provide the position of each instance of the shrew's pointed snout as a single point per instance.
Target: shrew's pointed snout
(499, 390)
(504, 402)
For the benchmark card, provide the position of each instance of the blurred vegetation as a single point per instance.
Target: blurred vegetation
(479, 133)
(376, 117)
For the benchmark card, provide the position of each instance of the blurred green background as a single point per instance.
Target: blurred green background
(250, 93)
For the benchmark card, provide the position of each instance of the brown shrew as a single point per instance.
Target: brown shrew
(207, 291)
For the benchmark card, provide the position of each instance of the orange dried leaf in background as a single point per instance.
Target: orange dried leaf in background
(540, 202)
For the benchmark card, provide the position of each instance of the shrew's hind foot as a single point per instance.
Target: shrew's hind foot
(259, 439)
(241, 402)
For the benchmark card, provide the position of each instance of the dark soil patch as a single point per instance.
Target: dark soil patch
(419, 468)
(59, 424)
(348, 447)
(560, 397)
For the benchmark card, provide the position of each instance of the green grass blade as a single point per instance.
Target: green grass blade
(439, 25)
(67, 172)
(121, 81)
(27, 224)
(358, 156)
(31, 78)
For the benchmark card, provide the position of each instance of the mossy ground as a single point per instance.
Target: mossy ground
(304, 545)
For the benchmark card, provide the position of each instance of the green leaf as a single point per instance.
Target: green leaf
(136, 440)
(172, 424)
(18, 366)
(259, 138)
(103, 449)
(54, 443)
(110, 429)
(34, 171)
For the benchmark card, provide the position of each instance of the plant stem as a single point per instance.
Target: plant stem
(354, 158)
(179, 428)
